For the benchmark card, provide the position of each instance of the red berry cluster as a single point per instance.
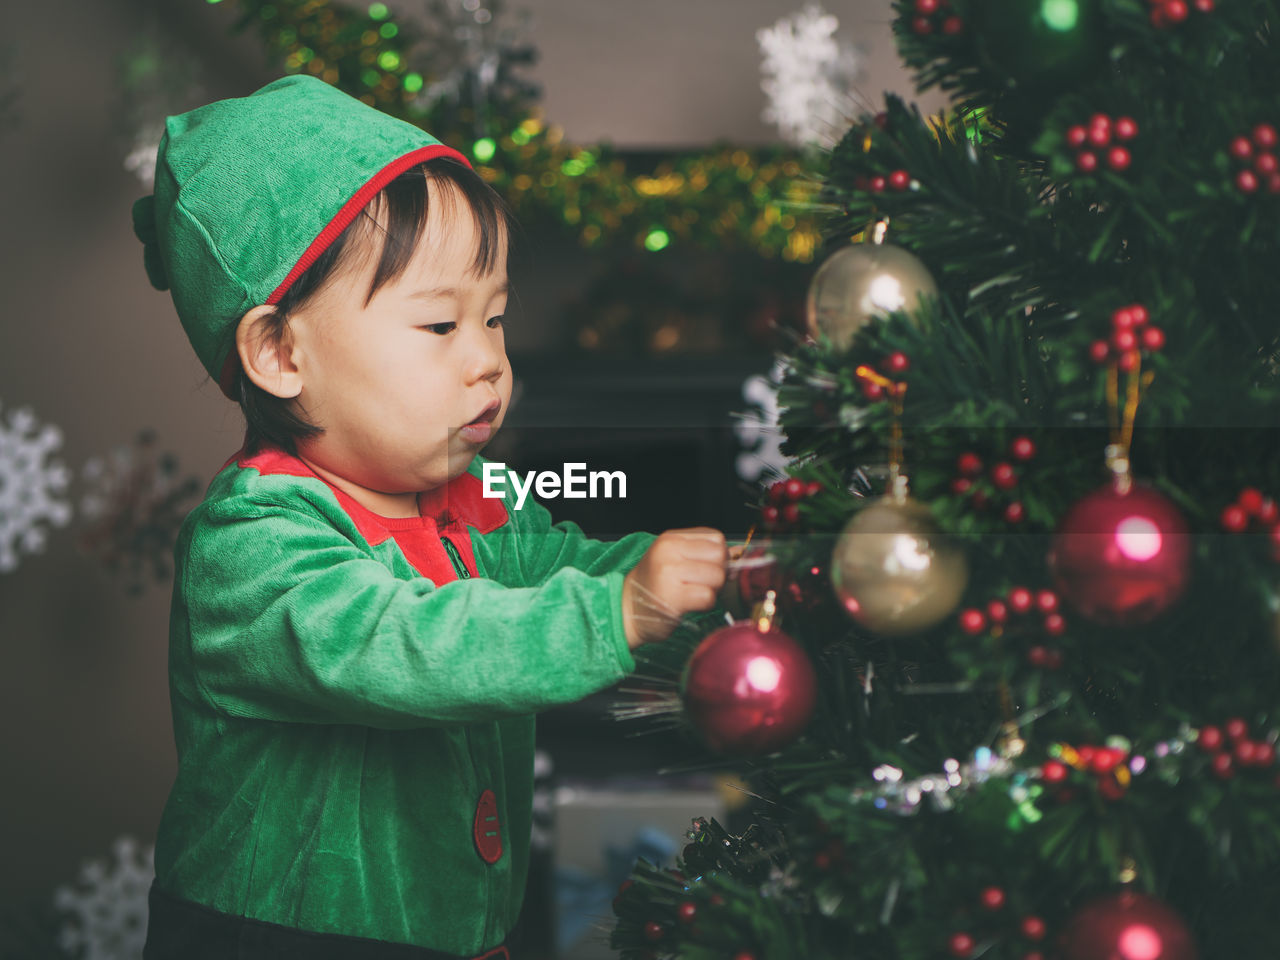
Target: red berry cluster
(1130, 333)
(1097, 136)
(1230, 747)
(783, 508)
(1020, 601)
(1002, 474)
(873, 387)
(1251, 506)
(934, 15)
(1167, 13)
(898, 180)
(992, 900)
(1106, 764)
(1260, 163)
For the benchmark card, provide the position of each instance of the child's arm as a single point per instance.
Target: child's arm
(291, 620)
(531, 548)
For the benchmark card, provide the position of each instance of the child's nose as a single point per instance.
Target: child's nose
(486, 358)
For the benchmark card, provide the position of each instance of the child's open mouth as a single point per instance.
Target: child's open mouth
(480, 429)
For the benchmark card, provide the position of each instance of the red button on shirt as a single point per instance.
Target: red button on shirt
(488, 837)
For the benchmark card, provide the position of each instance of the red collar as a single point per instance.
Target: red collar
(459, 503)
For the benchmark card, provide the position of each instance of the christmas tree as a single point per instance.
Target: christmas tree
(1010, 683)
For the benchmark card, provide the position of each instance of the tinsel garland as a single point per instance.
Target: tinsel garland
(723, 198)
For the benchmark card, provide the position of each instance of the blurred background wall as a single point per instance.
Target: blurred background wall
(88, 346)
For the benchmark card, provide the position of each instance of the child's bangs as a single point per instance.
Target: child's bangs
(403, 207)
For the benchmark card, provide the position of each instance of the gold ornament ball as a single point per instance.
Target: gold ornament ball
(894, 571)
(861, 283)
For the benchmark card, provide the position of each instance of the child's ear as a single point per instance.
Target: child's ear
(266, 353)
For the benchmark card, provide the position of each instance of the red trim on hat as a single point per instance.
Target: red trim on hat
(340, 221)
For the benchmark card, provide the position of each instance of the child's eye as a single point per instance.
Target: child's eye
(496, 321)
(440, 328)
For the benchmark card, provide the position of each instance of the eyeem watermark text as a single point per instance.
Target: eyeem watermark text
(573, 483)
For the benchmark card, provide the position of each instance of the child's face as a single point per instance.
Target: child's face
(394, 384)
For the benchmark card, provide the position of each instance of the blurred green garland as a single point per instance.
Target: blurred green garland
(724, 198)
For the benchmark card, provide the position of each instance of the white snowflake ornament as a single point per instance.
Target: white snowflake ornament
(110, 916)
(808, 74)
(757, 430)
(30, 485)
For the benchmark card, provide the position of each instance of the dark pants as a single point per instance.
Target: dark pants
(180, 930)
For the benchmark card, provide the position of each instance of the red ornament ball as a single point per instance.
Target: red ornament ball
(992, 898)
(653, 930)
(1127, 926)
(748, 691)
(1121, 558)
(961, 945)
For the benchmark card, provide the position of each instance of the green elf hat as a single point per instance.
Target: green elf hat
(250, 191)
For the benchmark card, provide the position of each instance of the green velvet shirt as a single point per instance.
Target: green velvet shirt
(353, 700)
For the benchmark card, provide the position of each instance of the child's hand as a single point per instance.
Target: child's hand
(680, 572)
